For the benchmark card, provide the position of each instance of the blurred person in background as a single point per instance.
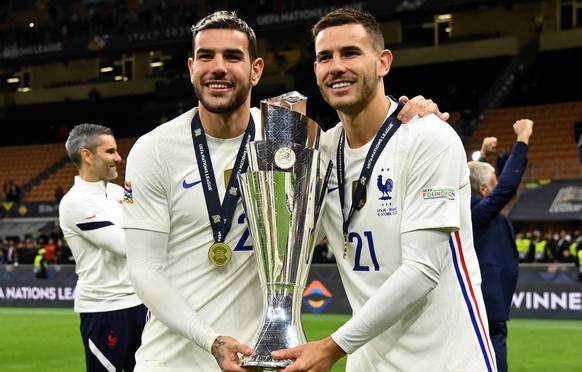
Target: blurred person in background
(112, 315)
(3, 253)
(525, 246)
(27, 250)
(571, 254)
(11, 191)
(11, 252)
(40, 266)
(493, 234)
(541, 247)
(559, 244)
(64, 254)
(59, 193)
(50, 248)
(323, 252)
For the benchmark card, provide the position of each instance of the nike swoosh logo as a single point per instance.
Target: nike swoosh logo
(88, 218)
(187, 185)
(331, 189)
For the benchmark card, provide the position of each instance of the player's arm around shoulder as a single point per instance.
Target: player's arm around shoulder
(420, 106)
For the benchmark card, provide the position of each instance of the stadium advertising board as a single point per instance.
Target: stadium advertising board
(20, 288)
(557, 298)
(547, 301)
(12, 210)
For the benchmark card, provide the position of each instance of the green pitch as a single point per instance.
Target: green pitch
(48, 340)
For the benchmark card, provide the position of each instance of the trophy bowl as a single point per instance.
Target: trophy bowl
(282, 192)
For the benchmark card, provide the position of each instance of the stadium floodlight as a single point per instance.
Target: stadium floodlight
(475, 156)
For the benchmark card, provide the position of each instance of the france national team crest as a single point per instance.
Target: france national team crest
(385, 186)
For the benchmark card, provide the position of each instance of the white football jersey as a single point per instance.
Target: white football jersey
(420, 181)
(90, 217)
(164, 193)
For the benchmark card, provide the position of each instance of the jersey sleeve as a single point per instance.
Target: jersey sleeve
(437, 167)
(146, 199)
(146, 263)
(83, 219)
(423, 252)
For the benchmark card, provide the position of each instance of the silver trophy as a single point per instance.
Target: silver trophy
(283, 192)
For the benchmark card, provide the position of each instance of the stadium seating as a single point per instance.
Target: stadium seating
(553, 146)
(23, 163)
(64, 175)
(553, 149)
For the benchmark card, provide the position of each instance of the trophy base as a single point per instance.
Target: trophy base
(265, 361)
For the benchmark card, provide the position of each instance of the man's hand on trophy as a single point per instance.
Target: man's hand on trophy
(421, 106)
(226, 351)
(315, 356)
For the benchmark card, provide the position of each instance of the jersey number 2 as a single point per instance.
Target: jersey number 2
(241, 246)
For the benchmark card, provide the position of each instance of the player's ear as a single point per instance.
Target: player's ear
(384, 62)
(257, 71)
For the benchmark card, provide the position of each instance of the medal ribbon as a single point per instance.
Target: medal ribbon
(220, 215)
(390, 126)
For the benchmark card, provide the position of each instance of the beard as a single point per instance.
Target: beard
(239, 97)
(367, 86)
(112, 174)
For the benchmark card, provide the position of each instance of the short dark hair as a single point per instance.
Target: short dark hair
(224, 19)
(344, 16)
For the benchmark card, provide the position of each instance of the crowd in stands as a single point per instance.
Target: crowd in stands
(61, 20)
(534, 246)
(58, 21)
(16, 252)
(562, 246)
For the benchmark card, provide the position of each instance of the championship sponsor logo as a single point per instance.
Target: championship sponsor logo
(439, 193)
(316, 296)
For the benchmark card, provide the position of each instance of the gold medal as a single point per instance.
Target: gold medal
(219, 254)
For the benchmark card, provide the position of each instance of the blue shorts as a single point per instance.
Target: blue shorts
(111, 338)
